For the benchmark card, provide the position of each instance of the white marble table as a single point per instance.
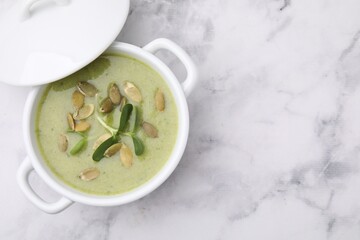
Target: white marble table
(274, 148)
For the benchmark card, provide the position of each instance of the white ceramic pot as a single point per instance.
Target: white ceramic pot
(34, 160)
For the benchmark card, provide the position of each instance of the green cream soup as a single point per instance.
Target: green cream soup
(68, 149)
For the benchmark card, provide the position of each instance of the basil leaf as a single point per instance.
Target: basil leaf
(138, 145)
(78, 146)
(125, 115)
(99, 152)
(134, 119)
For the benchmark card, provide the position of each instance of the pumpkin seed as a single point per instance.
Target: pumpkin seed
(114, 94)
(82, 126)
(89, 174)
(106, 105)
(126, 156)
(150, 130)
(84, 112)
(112, 150)
(132, 92)
(78, 99)
(101, 139)
(63, 143)
(71, 121)
(159, 100)
(87, 89)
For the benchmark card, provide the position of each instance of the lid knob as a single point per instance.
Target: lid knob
(25, 13)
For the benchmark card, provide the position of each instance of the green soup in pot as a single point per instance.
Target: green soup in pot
(58, 142)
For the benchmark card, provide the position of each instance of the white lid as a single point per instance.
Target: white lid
(42, 41)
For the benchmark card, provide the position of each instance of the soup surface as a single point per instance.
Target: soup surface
(68, 145)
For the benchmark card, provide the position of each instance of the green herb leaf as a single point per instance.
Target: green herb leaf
(125, 115)
(138, 145)
(78, 133)
(78, 146)
(134, 119)
(109, 118)
(99, 152)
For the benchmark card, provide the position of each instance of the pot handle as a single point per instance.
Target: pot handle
(23, 180)
(166, 44)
